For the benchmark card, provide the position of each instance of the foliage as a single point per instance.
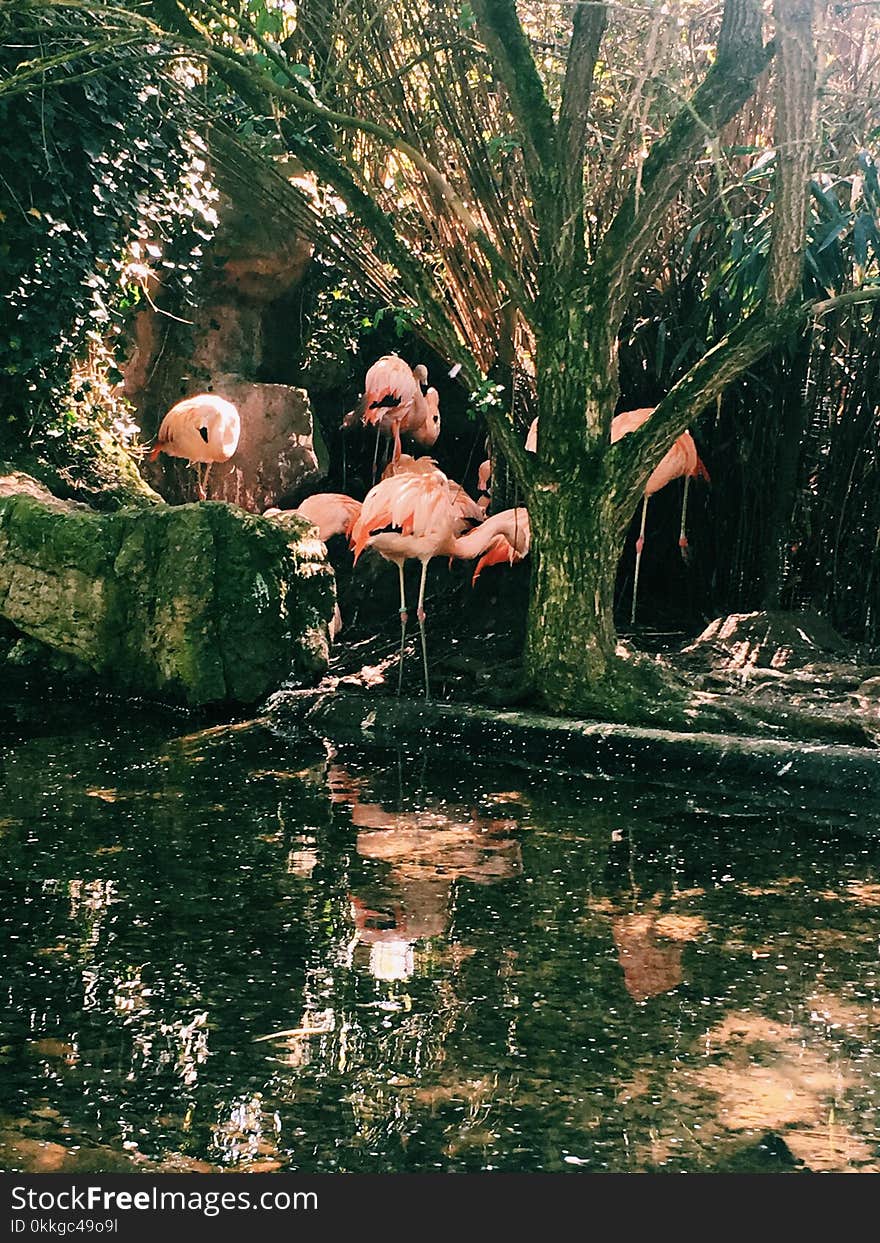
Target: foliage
(101, 160)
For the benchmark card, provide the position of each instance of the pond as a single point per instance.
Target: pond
(225, 950)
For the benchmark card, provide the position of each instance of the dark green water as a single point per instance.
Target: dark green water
(220, 949)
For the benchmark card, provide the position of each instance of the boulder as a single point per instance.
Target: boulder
(257, 260)
(194, 604)
(277, 453)
(778, 641)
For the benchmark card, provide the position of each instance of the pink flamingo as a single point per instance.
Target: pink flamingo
(331, 512)
(467, 510)
(397, 399)
(204, 429)
(410, 515)
(681, 459)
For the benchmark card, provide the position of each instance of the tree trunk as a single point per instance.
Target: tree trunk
(575, 549)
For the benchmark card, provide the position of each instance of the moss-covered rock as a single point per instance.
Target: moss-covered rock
(85, 463)
(195, 604)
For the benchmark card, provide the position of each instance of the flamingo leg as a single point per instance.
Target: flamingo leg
(640, 544)
(200, 489)
(376, 449)
(403, 619)
(682, 537)
(205, 480)
(420, 613)
(396, 454)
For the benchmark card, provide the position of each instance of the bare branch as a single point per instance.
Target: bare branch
(586, 36)
(870, 293)
(512, 58)
(726, 87)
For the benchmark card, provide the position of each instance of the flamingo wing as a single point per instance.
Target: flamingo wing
(389, 389)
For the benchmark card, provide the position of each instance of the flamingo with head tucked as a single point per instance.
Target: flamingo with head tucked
(204, 429)
(681, 460)
(331, 512)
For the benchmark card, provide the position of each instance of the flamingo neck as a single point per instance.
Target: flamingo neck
(479, 539)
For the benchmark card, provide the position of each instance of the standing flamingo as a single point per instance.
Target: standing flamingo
(397, 399)
(204, 428)
(467, 510)
(681, 459)
(410, 515)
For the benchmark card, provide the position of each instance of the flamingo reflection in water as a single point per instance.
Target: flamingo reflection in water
(426, 851)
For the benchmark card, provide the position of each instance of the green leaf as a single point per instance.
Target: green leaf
(863, 232)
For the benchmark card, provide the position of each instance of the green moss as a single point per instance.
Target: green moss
(193, 604)
(635, 690)
(85, 463)
(52, 537)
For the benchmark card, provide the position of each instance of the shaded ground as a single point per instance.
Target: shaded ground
(769, 675)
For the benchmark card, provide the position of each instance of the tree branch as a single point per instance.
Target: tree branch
(586, 36)
(729, 83)
(514, 65)
(870, 293)
(636, 455)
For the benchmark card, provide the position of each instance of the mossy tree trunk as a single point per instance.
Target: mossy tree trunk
(570, 638)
